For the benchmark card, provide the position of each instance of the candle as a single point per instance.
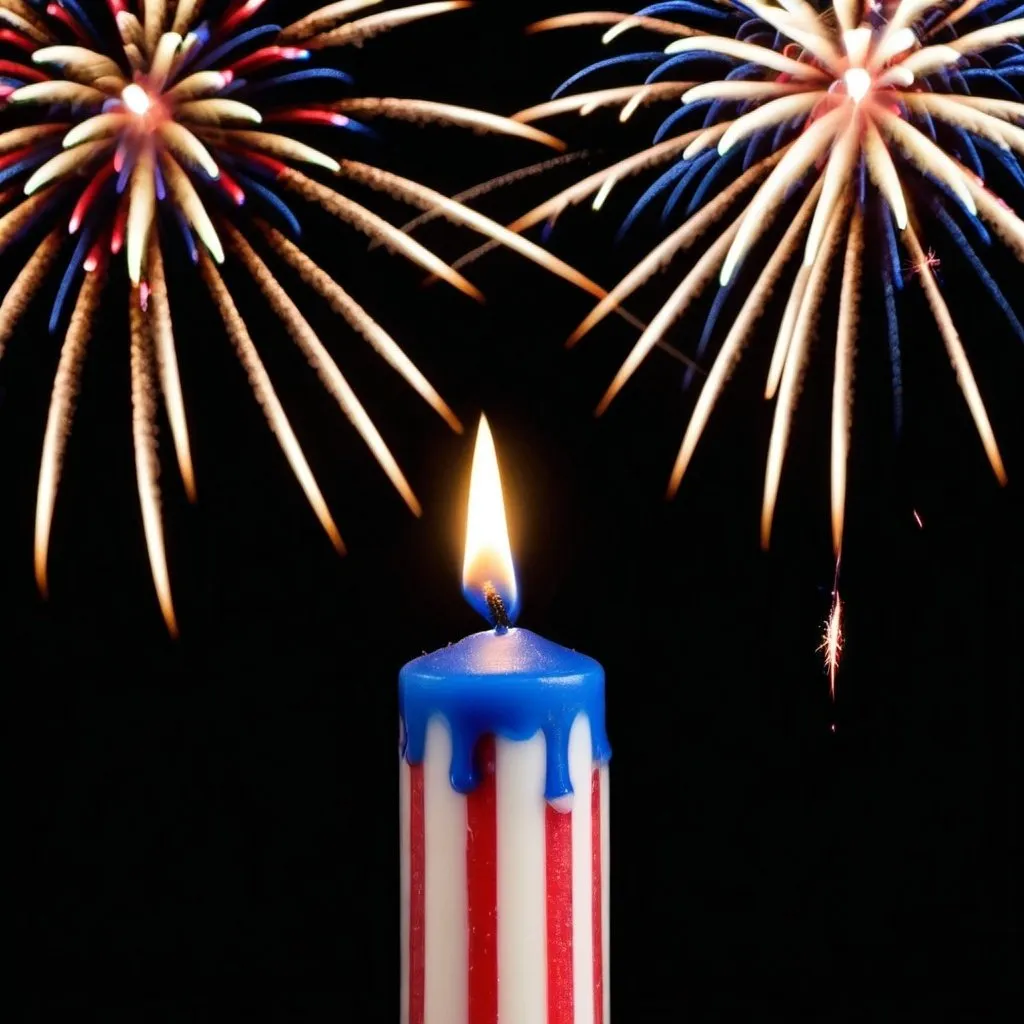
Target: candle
(504, 809)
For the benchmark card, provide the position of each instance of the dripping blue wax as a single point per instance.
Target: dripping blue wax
(511, 685)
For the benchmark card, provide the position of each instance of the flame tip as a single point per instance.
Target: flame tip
(488, 573)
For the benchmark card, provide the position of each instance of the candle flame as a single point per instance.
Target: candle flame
(488, 575)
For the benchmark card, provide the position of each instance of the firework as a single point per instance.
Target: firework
(143, 130)
(810, 137)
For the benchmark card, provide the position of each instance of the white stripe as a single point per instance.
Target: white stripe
(606, 893)
(404, 816)
(581, 767)
(522, 916)
(447, 953)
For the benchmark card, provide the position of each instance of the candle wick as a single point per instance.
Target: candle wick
(499, 614)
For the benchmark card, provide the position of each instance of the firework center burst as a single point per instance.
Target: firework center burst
(858, 83)
(136, 99)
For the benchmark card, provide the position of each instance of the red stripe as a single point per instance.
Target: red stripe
(10, 67)
(417, 896)
(596, 895)
(559, 901)
(482, 881)
(15, 39)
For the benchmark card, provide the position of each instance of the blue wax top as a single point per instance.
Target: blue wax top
(510, 684)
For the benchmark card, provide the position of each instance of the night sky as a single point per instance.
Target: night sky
(206, 830)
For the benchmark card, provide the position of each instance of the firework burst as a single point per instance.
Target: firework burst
(809, 138)
(144, 129)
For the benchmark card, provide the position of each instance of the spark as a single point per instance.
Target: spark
(917, 519)
(831, 136)
(832, 641)
(161, 129)
(929, 262)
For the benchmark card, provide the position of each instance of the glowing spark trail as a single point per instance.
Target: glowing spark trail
(813, 141)
(147, 130)
(832, 641)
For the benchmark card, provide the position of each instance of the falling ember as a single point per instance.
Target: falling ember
(832, 641)
(140, 119)
(917, 519)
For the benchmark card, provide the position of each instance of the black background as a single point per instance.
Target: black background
(206, 829)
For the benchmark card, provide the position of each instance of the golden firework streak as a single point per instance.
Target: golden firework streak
(60, 416)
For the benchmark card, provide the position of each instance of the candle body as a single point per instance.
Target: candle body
(504, 834)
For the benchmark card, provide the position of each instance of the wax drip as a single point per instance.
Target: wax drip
(511, 685)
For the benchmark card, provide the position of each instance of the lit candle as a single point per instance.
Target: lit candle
(504, 809)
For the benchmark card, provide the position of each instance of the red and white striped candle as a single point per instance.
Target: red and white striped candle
(504, 896)
(504, 813)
